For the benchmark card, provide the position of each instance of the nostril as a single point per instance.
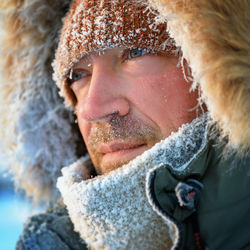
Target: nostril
(115, 113)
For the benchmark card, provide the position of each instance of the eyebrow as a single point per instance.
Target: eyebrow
(85, 59)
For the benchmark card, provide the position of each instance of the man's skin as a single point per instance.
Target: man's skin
(127, 100)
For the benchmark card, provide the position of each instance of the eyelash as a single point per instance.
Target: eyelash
(73, 75)
(128, 53)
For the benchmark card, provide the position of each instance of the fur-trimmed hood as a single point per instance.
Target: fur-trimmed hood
(39, 135)
(214, 36)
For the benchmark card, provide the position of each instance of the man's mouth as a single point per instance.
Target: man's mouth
(115, 152)
(117, 146)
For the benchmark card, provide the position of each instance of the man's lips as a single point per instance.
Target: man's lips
(115, 154)
(112, 147)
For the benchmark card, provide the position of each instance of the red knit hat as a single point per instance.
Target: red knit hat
(96, 25)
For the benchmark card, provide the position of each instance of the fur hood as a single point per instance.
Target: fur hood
(214, 36)
(39, 135)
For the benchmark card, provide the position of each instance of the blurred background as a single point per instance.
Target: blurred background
(14, 208)
(14, 211)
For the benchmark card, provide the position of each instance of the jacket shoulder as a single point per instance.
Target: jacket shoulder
(50, 230)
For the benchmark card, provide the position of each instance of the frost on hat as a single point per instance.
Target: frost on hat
(96, 25)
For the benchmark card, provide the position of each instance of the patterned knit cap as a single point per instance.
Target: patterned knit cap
(97, 25)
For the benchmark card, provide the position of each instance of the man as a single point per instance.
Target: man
(161, 174)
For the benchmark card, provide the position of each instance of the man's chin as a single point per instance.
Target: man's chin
(113, 160)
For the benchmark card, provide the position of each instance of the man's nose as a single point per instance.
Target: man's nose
(104, 98)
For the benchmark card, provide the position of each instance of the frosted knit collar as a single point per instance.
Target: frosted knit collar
(112, 211)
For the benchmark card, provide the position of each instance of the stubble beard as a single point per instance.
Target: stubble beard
(125, 129)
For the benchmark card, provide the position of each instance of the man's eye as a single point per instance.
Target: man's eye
(133, 53)
(75, 76)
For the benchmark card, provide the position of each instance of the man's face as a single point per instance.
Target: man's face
(127, 100)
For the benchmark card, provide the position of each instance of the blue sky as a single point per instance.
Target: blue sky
(14, 211)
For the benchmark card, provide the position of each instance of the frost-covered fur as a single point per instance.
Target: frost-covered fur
(36, 130)
(214, 36)
(112, 211)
